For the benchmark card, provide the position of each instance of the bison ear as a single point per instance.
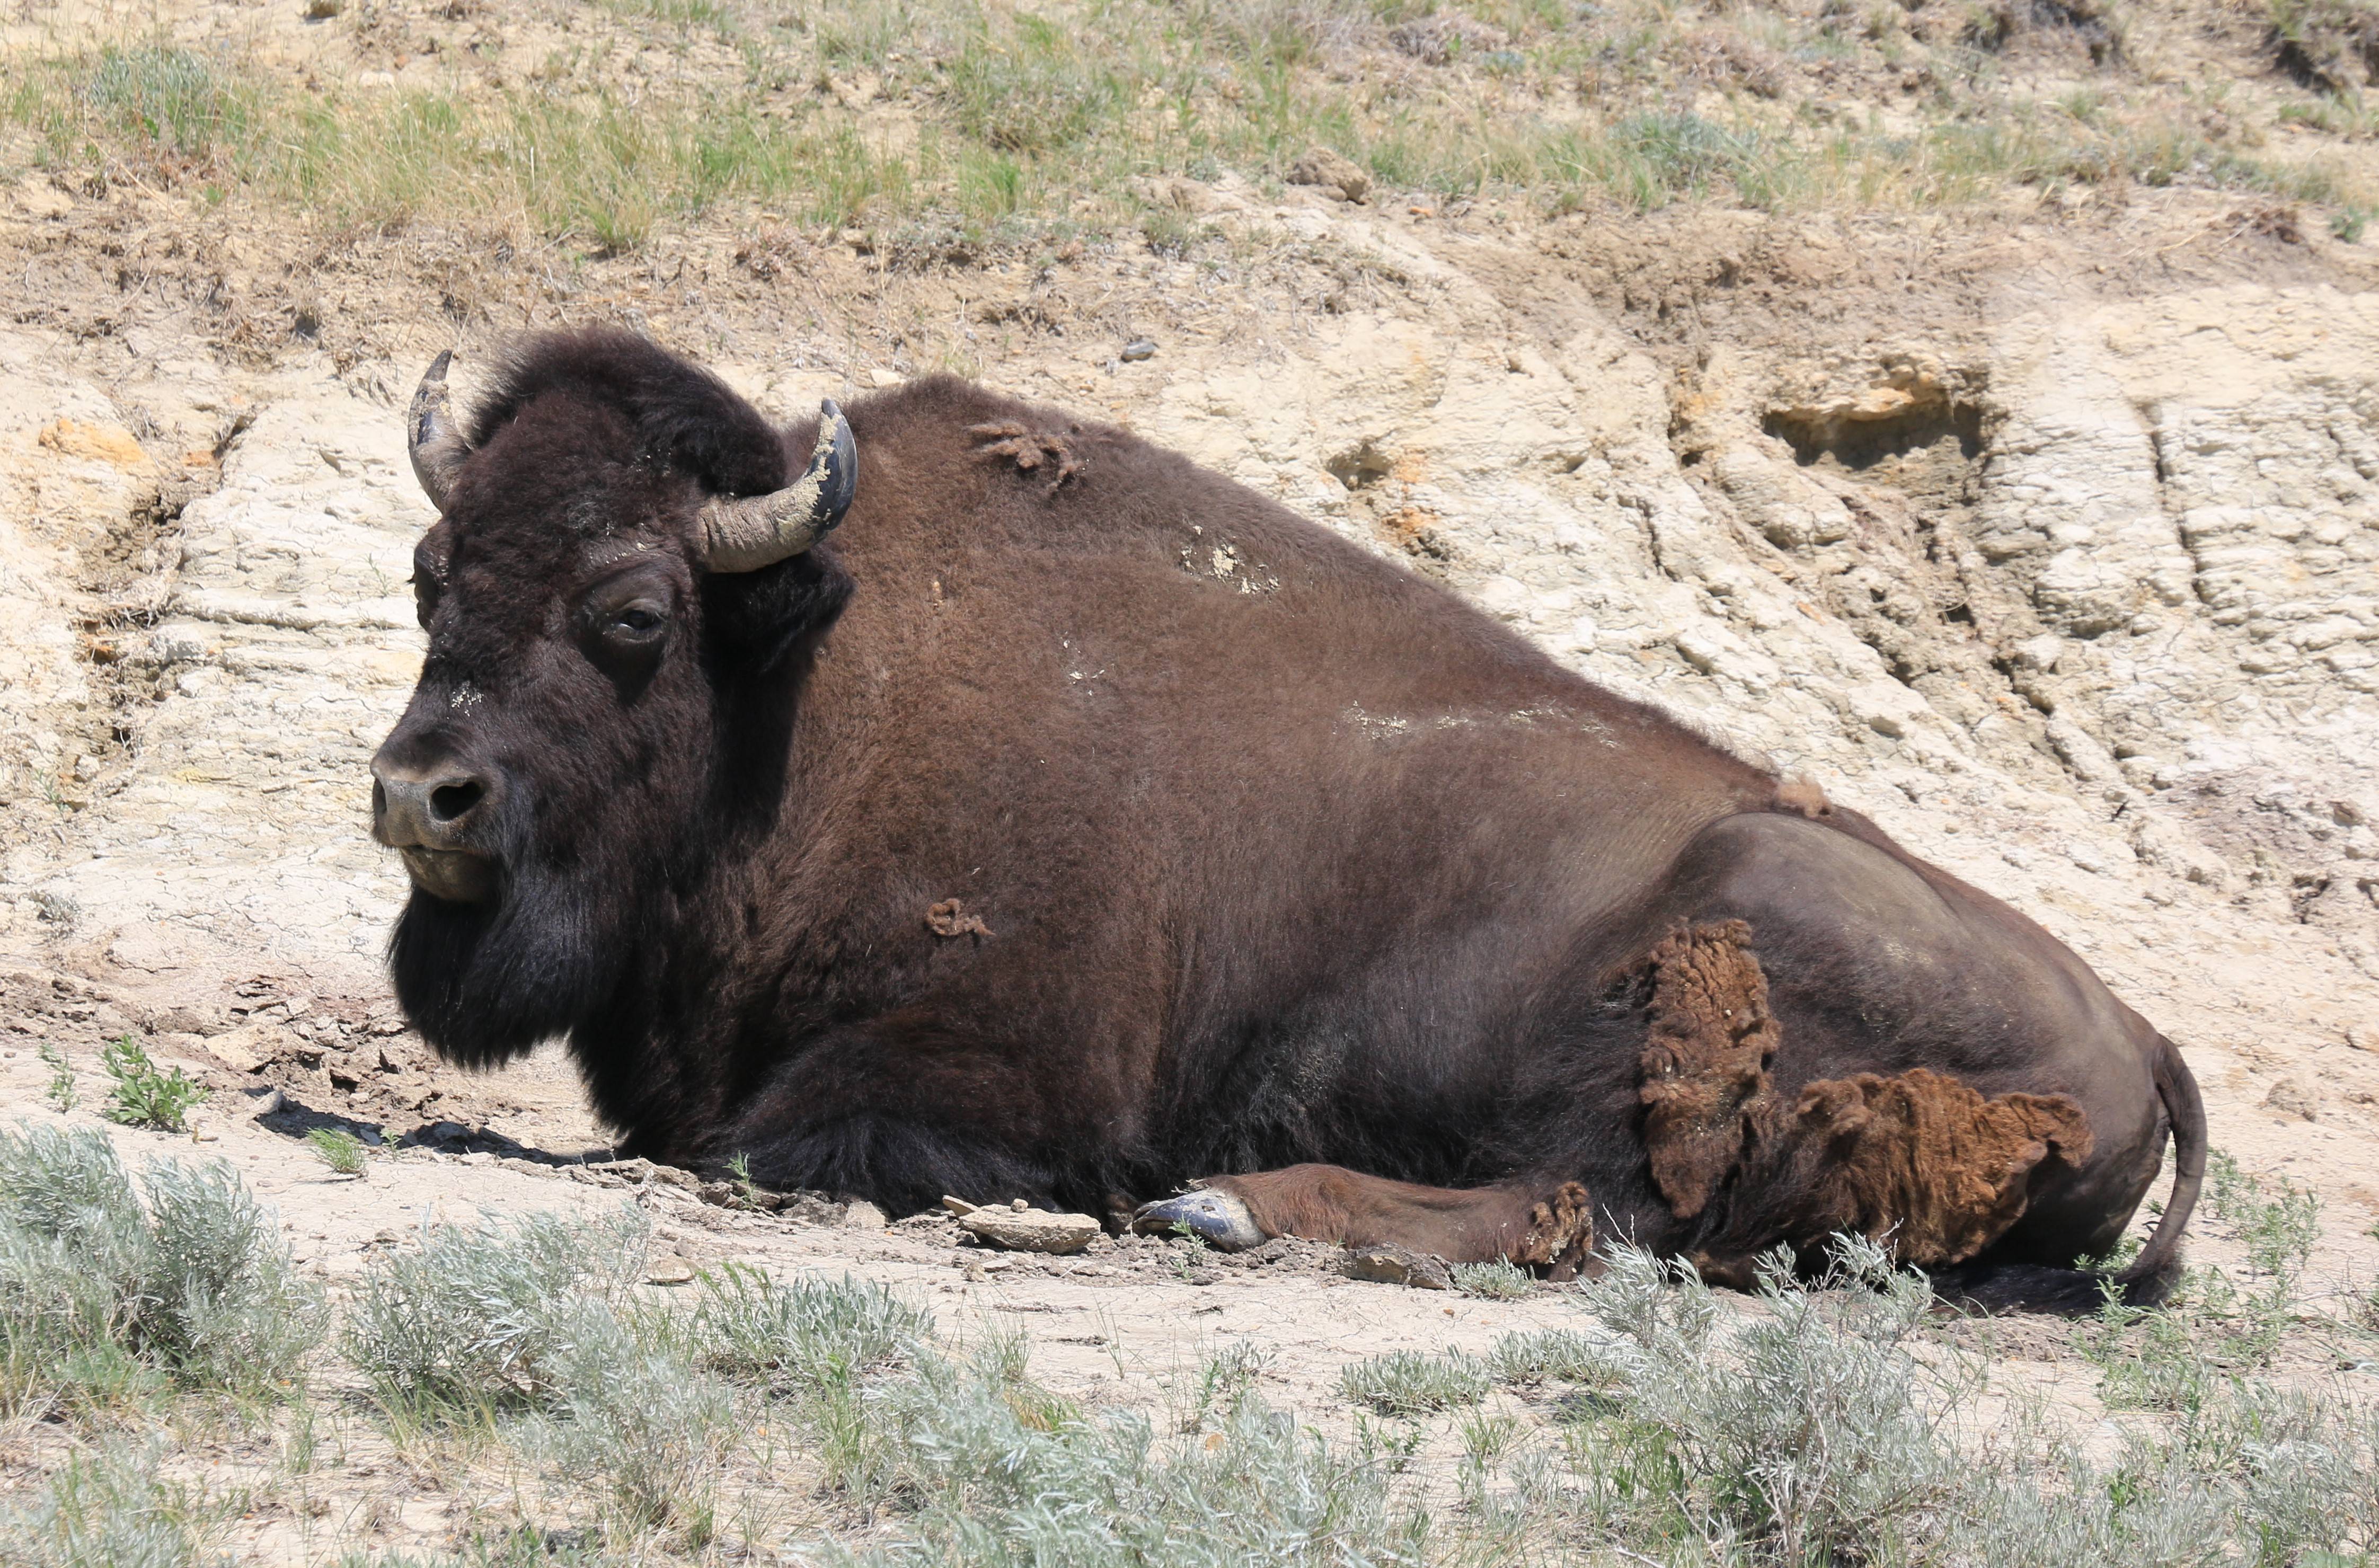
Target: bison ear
(754, 620)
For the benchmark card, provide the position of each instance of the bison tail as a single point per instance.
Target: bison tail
(2031, 1287)
(2153, 1275)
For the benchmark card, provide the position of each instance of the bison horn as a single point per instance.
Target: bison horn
(756, 531)
(436, 447)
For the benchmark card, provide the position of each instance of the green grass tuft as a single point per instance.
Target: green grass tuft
(60, 1089)
(337, 1148)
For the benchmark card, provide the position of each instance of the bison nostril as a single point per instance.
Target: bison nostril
(450, 800)
(380, 799)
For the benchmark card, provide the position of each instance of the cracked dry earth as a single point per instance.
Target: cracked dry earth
(2068, 575)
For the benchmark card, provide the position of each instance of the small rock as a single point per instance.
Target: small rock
(246, 1049)
(1331, 171)
(1395, 1265)
(265, 1104)
(863, 1215)
(669, 1270)
(882, 378)
(1138, 349)
(1031, 1230)
(959, 1206)
(2291, 1097)
(2362, 1037)
(100, 443)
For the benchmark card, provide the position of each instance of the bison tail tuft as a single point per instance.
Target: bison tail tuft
(2151, 1276)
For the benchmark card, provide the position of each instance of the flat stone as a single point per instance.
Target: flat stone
(2292, 1097)
(246, 1049)
(1396, 1265)
(1031, 1230)
(860, 1214)
(669, 1270)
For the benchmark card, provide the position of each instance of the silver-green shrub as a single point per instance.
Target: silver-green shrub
(1801, 1432)
(1406, 1383)
(483, 1315)
(110, 1509)
(102, 1293)
(632, 1415)
(994, 1473)
(803, 1330)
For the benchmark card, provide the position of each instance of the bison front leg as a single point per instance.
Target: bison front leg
(1536, 1224)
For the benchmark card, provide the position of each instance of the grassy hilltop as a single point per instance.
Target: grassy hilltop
(947, 127)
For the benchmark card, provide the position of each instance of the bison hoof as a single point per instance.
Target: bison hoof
(1214, 1217)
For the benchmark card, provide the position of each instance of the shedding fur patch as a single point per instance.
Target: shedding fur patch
(1559, 1232)
(1705, 1088)
(1031, 449)
(950, 918)
(1925, 1163)
(1803, 795)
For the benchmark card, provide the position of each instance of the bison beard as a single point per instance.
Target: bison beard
(484, 982)
(1077, 824)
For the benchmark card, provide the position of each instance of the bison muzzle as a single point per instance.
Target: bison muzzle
(960, 797)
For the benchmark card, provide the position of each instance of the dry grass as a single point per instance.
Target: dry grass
(988, 124)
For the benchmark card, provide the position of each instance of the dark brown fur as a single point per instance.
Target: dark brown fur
(1292, 856)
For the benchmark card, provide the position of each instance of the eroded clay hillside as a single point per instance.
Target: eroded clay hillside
(2075, 587)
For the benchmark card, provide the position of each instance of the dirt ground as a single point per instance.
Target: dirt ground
(1614, 434)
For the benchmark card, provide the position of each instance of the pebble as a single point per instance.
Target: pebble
(1396, 1265)
(1138, 349)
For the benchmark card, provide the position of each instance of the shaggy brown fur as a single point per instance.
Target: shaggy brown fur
(1560, 1234)
(1925, 1164)
(950, 918)
(1706, 1068)
(1803, 795)
(1030, 449)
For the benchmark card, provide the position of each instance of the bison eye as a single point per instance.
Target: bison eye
(624, 624)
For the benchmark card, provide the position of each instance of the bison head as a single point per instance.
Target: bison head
(623, 567)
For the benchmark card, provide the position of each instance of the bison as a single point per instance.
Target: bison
(956, 796)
